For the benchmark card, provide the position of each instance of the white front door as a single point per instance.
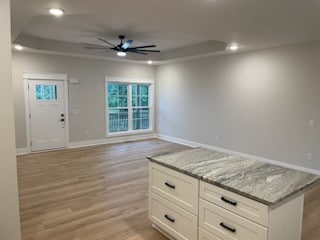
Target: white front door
(47, 114)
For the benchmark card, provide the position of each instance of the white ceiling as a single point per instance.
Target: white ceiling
(170, 24)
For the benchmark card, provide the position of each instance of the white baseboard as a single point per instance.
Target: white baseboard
(195, 144)
(22, 151)
(112, 140)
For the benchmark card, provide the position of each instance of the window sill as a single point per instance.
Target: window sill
(129, 133)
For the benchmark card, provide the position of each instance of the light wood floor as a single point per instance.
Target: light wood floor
(100, 193)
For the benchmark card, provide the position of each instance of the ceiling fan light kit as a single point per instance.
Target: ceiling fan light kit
(122, 48)
(56, 12)
(121, 54)
(234, 47)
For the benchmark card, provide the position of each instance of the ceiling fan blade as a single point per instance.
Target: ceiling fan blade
(126, 44)
(145, 46)
(90, 47)
(93, 45)
(138, 50)
(121, 47)
(105, 41)
(142, 53)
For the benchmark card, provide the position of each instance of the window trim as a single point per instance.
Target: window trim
(129, 81)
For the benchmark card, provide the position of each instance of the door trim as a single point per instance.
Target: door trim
(49, 77)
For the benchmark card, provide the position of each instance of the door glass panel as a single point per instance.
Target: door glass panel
(39, 92)
(50, 92)
(46, 92)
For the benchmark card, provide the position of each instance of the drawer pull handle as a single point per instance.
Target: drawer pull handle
(170, 185)
(171, 219)
(231, 229)
(234, 203)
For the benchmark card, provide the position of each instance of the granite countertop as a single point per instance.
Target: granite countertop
(263, 182)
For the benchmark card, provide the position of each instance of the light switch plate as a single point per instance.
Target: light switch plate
(74, 81)
(75, 111)
(312, 123)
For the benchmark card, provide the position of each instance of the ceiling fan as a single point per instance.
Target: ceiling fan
(122, 48)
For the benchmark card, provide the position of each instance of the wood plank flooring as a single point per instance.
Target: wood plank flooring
(100, 193)
(311, 214)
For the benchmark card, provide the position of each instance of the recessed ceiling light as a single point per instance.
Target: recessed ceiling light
(121, 54)
(150, 62)
(56, 12)
(18, 47)
(234, 47)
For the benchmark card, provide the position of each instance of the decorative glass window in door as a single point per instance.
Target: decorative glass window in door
(46, 92)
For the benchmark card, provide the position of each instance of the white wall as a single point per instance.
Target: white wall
(88, 96)
(9, 211)
(257, 103)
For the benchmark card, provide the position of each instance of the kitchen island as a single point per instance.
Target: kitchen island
(208, 195)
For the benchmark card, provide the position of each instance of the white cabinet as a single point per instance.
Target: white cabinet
(205, 235)
(235, 203)
(185, 208)
(176, 221)
(173, 202)
(178, 188)
(228, 225)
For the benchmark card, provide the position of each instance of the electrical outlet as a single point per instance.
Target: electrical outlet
(87, 132)
(309, 156)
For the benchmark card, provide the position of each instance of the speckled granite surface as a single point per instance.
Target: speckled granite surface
(263, 182)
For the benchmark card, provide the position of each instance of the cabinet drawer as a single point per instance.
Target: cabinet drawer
(227, 225)
(205, 235)
(176, 221)
(236, 203)
(176, 187)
